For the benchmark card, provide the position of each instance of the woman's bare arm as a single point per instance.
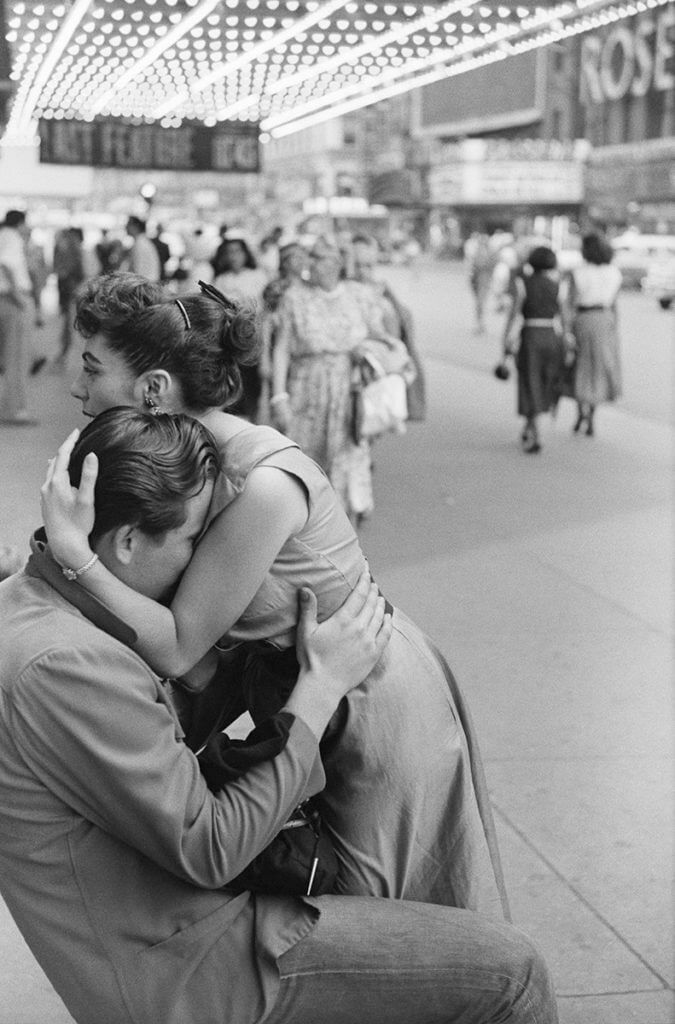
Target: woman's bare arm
(228, 566)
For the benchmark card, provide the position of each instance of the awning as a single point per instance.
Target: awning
(282, 64)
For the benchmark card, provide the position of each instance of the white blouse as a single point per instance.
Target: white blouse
(596, 285)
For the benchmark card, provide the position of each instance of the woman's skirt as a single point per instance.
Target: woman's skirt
(405, 802)
(540, 363)
(598, 365)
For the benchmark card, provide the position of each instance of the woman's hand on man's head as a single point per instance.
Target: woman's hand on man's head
(68, 512)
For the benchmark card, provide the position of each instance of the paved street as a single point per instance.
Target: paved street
(548, 583)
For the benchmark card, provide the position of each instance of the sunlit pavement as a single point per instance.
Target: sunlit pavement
(547, 581)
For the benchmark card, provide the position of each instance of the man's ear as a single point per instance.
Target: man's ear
(121, 543)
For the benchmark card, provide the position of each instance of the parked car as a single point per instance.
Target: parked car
(659, 280)
(634, 253)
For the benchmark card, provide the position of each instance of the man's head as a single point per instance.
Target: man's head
(152, 493)
(135, 226)
(16, 219)
(364, 258)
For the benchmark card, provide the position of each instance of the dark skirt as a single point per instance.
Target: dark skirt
(540, 363)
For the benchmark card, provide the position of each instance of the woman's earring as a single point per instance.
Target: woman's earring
(151, 404)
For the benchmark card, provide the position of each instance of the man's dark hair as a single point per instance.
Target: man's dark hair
(15, 218)
(149, 466)
(137, 222)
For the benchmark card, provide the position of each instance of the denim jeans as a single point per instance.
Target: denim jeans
(398, 962)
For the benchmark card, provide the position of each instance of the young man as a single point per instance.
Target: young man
(115, 857)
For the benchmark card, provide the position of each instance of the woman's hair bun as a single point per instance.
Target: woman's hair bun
(240, 334)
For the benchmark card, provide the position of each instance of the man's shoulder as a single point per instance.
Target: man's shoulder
(40, 626)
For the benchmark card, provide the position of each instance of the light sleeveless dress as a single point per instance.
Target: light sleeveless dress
(405, 800)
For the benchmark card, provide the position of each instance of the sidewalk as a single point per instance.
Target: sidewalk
(547, 581)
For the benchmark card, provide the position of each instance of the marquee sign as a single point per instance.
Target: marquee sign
(109, 142)
(634, 58)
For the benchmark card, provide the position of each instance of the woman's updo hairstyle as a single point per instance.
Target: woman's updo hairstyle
(596, 249)
(201, 339)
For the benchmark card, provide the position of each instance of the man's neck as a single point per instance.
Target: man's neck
(41, 563)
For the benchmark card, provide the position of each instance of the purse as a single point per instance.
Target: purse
(300, 860)
(382, 371)
(383, 406)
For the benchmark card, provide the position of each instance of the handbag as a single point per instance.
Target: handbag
(382, 371)
(300, 859)
(383, 406)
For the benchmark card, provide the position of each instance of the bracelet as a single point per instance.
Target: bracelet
(73, 574)
(281, 397)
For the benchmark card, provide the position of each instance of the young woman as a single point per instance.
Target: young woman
(405, 799)
(595, 286)
(541, 355)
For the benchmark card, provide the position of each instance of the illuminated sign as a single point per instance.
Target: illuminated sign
(633, 58)
(108, 142)
(474, 181)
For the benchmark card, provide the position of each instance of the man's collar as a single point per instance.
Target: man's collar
(42, 563)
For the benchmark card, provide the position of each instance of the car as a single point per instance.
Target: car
(659, 280)
(634, 253)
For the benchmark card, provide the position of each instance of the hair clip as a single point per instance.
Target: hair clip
(183, 310)
(214, 293)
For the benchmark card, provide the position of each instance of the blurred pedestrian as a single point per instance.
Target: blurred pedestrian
(241, 280)
(109, 252)
(594, 290)
(268, 252)
(239, 277)
(16, 310)
(217, 259)
(541, 352)
(480, 265)
(69, 270)
(142, 257)
(38, 271)
(321, 323)
(293, 267)
(163, 252)
(397, 318)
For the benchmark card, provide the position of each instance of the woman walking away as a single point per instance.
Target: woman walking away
(595, 286)
(540, 359)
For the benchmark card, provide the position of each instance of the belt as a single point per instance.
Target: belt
(590, 309)
(539, 321)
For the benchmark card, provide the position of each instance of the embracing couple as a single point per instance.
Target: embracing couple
(179, 537)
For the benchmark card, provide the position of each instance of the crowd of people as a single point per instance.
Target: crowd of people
(160, 602)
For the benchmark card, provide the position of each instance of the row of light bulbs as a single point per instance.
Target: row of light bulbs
(288, 64)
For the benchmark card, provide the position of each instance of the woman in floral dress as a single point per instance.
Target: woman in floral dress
(320, 323)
